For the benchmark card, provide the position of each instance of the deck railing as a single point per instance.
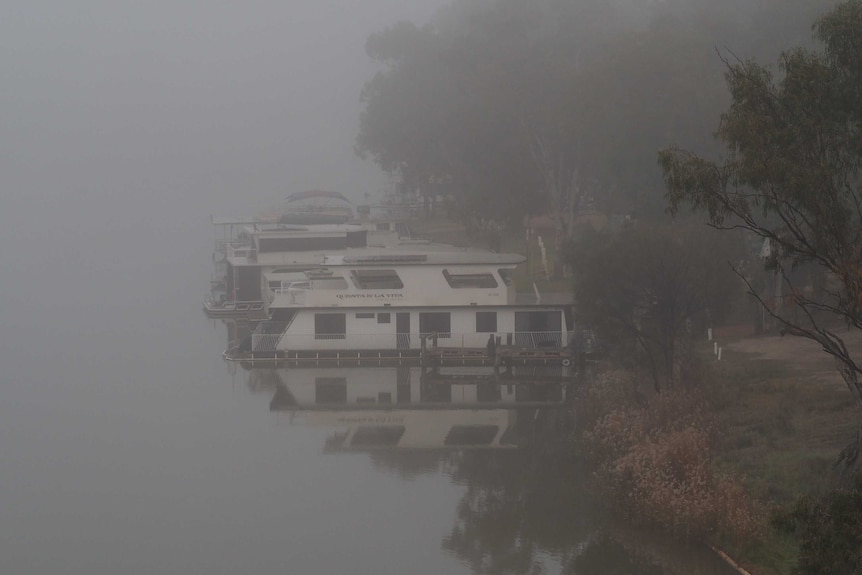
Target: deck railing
(231, 305)
(240, 250)
(291, 295)
(414, 340)
(267, 335)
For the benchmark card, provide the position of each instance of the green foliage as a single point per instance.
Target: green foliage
(793, 177)
(829, 532)
(792, 174)
(548, 106)
(405, 115)
(647, 288)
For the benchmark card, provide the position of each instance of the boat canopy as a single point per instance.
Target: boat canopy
(316, 195)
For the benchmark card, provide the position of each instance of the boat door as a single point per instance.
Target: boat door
(402, 329)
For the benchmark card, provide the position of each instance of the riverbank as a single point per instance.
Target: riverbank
(774, 415)
(787, 414)
(713, 460)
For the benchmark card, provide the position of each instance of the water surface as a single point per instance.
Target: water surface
(127, 445)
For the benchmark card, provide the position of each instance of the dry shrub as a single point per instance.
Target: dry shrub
(654, 459)
(609, 390)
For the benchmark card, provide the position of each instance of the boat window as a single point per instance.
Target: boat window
(300, 244)
(471, 435)
(435, 322)
(377, 435)
(505, 275)
(330, 325)
(462, 280)
(486, 322)
(383, 318)
(365, 316)
(336, 283)
(376, 279)
(329, 390)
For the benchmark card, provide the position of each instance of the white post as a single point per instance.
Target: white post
(715, 348)
(538, 295)
(709, 334)
(719, 354)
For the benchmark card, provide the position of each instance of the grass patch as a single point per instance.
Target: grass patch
(779, 426)
(782, 428)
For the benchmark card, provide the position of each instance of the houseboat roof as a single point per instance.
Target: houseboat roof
(276, 229)
(234, 220)
(409, 255)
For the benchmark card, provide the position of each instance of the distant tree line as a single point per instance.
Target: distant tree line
(510, 108)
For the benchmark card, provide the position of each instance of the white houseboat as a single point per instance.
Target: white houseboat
(406, 302)
(246, 249)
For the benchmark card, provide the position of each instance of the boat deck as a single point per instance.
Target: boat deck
(235, 309)
(505, 355)
(430, 357)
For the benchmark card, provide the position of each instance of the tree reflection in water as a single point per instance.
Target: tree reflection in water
(530, 511)
(607, 557)
(409, 465)
(524, 508)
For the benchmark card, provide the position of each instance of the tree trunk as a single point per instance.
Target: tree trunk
(849, 462)
(849, 459)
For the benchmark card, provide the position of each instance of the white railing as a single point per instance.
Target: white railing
(242, 251)
(232, 305)
(267, 335)
(290, 296)
(341, 341)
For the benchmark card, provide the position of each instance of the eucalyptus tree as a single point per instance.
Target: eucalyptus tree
(428, 118)
(647, 288)
(486, 102)
(648, 88)
(407, 107)
(792, 176)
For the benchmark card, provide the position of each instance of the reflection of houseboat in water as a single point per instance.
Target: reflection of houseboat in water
(384, 408)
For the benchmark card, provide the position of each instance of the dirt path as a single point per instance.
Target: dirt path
(800, 353)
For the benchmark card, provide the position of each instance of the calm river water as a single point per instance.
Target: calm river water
(127, 445)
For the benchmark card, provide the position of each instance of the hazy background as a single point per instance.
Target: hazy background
(125, 445)
(211, 100)
(123, 126)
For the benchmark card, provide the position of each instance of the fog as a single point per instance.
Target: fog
(127, 445)
(182, 100)
(124, 444)
(147, 118)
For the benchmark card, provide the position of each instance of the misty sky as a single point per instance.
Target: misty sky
(200, 98)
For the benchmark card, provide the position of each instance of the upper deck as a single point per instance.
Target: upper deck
(371, 277)
(261, 244)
